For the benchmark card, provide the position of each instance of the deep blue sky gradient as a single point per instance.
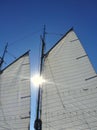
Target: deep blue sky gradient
(21, 24)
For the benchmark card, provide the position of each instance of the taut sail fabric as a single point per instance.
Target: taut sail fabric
(15, 95)
(69, 95)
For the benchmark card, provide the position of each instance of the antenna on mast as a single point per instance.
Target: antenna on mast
(38, 122)
(44, 32)
(2, 58)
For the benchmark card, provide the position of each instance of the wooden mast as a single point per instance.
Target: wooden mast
(38, 122)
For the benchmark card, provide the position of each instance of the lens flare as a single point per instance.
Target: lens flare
(37, 80)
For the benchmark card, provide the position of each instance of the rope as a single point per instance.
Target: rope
(11, 54)
(24, 37)
(54, 34)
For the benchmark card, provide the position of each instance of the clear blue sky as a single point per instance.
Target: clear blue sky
(21, 24)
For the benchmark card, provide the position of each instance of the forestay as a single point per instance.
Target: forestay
(15, 95)
(69, 95)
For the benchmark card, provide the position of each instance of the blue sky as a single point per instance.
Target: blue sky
(21, 24)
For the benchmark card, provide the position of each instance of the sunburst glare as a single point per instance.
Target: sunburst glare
(37, 80)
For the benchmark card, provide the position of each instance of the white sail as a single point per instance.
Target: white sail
(69, 96)
(15, 95)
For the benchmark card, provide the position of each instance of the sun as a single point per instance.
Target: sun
(37, 80)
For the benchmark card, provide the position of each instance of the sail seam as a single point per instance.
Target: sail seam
(24, 79)
(26, 96)
(74, 40)
(81, 57)
(91, 77)
(26, 64)
(26, 117)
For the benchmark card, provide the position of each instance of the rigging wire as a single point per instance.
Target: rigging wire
(24, 37)
(11, 54)
(20, 39)
(1, 47)
(52, 33)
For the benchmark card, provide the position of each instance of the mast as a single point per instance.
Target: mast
(38, 122)
(2, 58)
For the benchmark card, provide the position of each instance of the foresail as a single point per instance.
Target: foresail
(15, 95)
(69, 96)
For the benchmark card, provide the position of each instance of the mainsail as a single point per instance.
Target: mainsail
(15, 95)
(69, 95)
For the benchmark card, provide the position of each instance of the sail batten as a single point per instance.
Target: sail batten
(69, 97)
(14, 84)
